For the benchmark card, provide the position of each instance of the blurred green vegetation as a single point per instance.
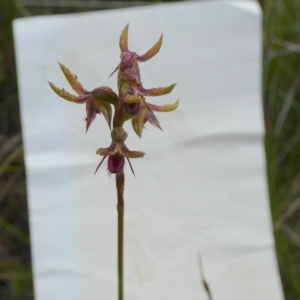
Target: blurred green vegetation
(281, 100)
(15, 262)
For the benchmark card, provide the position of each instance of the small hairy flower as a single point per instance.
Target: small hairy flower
(131, 91)
(116, 153)
(97, 101)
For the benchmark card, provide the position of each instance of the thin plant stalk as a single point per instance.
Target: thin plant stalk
(120, 208)
(128, 104)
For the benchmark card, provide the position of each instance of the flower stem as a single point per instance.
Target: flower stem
(120, 207)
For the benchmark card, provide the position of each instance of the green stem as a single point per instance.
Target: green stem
(120, 207)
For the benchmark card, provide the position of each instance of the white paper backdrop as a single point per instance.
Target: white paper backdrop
(201, 188)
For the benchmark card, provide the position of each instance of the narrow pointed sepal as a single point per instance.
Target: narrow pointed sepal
(91, 112)
(124, 39)
(130, 166)
(115, 70)
(105, 94)
(150, 53)
(150, 117)
(72, 79)
(158, 91)
(102, 160)
(164, 108)
(63, 94)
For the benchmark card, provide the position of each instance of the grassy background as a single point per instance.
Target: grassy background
(281, 100)
(281, 103)
(15, 262)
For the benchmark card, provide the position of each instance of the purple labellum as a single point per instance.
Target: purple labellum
(115, 163)
(132, 108)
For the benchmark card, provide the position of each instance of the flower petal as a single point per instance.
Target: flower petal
(124, 39)
(111, 150)
(130, 154)
(158, 91)
(137, 120)
(132, 99)
(164, 108)
(105, 93)
(63, 94)
(72, 79)
(150, 53)
(150, 117)
(91, 112)
(104, 108)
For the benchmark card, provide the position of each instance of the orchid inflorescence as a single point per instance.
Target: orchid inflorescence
(129, 104)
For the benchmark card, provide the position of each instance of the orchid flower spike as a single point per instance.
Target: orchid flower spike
(129, 104)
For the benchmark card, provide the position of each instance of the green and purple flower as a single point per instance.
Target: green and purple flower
(130, 103)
